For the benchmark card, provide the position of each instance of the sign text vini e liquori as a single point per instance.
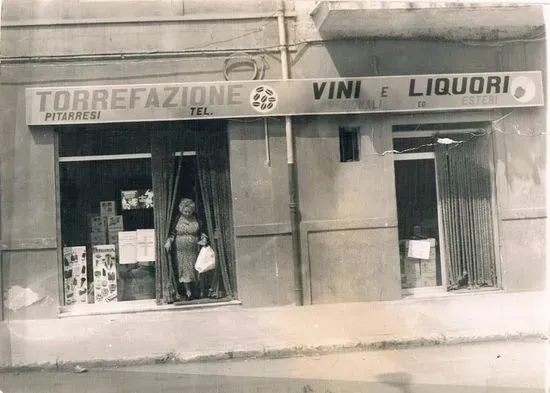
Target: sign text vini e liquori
(157, 102)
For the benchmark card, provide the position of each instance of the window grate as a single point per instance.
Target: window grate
(349, 144)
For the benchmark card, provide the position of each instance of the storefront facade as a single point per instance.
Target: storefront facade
(394, 139)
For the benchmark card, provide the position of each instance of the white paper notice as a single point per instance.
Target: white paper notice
(145, 245)
(419, 249)
(127, 247)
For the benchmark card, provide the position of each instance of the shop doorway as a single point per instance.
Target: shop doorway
(444, 194)
(417, 218)
(179, 279)
(128, 180)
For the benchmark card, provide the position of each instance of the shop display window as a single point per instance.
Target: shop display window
(92, 218)
(111, 207)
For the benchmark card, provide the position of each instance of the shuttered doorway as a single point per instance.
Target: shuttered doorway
(466, 234)
(465, 194)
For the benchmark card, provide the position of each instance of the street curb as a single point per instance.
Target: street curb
(273, 353)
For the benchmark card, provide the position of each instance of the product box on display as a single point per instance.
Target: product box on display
(107, 208)
(113, 238)
(98, 223)
(98, 238)
(115, 224)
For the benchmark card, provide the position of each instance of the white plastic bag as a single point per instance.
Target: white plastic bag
(206, 260)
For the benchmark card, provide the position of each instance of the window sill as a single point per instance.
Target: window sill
(136, 306)
(441, 292)
(423, 291)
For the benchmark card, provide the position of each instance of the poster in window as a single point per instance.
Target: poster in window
(145, 245)
(105, 281)
(74, 274)
(127, 247)
(137, 199)
(419, 249)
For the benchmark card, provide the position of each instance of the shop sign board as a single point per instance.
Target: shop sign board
(237, 99)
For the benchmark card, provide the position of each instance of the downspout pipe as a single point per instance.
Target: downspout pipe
(292, 173)
(546, 13)
(1, 241)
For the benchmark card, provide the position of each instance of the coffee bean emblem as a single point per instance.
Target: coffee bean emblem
(263, 99)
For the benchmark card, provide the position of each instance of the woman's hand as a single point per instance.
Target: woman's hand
(168, 245)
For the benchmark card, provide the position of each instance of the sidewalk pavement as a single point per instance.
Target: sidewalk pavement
(239, 332)
(494, 367)
(489, 365)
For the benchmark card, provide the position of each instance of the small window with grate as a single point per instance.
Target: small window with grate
(349, 144)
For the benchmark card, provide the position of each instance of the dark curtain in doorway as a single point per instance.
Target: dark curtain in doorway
(212, 150)
(163, 168)
(465, 189)
(213, 172)
(416, 197)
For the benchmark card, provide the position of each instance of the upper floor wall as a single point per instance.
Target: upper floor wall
(101, 30)
(43, 11)
(88, 28)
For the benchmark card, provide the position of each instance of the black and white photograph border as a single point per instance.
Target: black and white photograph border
(349, 196)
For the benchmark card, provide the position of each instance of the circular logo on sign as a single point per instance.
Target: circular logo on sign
(263, 99)
(523, 89)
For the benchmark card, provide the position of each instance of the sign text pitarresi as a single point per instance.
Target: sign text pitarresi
(210, 100)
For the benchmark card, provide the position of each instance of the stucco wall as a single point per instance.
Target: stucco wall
(348, 230)
(37, 271)
(5, 345)
(353, 265)
(28, 222)
(521, 182)
(70, 10)
(259, 178)
(524, 262)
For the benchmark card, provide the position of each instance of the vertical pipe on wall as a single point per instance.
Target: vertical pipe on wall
(1, 247)
(60, 274)
(267, 148)
(292, 176)
(546, 12)
(1, 242)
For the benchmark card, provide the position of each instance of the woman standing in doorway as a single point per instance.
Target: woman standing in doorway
(185, 237)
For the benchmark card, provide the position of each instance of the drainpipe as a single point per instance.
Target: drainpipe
(546, 13)
(292, 175)
(1, 241)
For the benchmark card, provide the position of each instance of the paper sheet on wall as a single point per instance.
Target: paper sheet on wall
(419, 249)
(145, 245)
(127, 247)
